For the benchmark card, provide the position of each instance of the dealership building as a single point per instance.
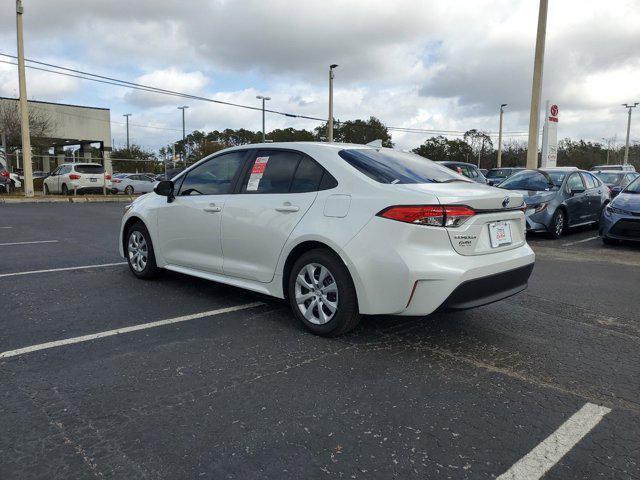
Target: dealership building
(88, 128)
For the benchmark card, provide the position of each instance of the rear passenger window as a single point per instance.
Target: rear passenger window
(272, 172)
(589, 181)
(307, 177)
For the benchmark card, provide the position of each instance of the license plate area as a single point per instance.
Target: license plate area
(500, 234)
(93, 179)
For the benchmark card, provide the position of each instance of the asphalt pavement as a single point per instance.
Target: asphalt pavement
(218, 382)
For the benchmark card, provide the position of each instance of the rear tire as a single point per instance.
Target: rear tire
(128, 190)
(46, 189)
(65, 190)
(322, 295)
(558, 224)
(610, 241)
(139, 252)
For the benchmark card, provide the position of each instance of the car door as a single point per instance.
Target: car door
(593, 193)
(576, 199)
(189, 226)
(146, 184)
(52, 181)
(273, 197)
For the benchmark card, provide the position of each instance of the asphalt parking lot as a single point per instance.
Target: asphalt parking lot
(232, 387)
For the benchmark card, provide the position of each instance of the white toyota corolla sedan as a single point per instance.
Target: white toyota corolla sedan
(338, 230)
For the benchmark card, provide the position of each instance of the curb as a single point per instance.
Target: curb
(81, 199)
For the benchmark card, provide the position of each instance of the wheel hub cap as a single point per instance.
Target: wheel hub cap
(137, 251)
(316, 293)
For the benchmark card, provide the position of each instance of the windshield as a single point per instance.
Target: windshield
(633, 187)
(556, 177)
(532, 180)
(610, 178)
(498, 173)
(389, 166)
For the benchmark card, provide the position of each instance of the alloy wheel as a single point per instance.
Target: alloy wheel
(137, 251)
(559, 223)
(316, 293)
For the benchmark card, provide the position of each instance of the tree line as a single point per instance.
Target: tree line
(474, 146)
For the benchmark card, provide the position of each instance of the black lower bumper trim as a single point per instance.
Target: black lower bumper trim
(489, 289)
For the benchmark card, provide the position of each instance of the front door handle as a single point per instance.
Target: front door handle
(287, 208)
(213, 208)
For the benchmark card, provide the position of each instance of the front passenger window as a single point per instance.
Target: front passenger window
(574, 183)
(213, 177)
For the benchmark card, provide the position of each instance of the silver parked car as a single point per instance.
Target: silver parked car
(131, 183)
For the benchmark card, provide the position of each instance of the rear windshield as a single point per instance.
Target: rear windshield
(389, 166)
(610, 177)
(531, 180)
(89, 169)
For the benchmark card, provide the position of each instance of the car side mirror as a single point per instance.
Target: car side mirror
(577, 190)
(165, 189)
(616, 190)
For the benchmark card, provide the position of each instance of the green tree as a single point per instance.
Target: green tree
(290, 135)
(441, 148)
(134, 159)
(480, 143)
(357, 131)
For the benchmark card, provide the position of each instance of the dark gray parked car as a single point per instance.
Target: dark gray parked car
(469, 170)
(616, 180)
(497, 175)
(559, 198)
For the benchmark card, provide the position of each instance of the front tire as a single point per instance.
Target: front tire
(322, 295)
(139, 252)
(610, 241)
(558, 224)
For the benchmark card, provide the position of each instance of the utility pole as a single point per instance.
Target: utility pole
(264, 99)
(536, 88)
(628, 106)
(330, 122)
(24, 108)
(127, 115)
(499, 164)
(184, 136)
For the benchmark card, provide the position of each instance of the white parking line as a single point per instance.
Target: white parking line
(579, 241)
(63, 269)
(5, 227)
(118, 331)
(27, 243)
(540, 460)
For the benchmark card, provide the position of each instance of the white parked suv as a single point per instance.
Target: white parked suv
(77, 177)
(338, 230)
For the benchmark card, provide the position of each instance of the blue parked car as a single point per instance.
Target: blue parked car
(559, 198)
(620, 219)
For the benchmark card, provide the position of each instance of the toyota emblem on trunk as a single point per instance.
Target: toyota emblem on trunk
(505, 202)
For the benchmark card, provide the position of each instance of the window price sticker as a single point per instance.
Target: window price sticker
(257, 171)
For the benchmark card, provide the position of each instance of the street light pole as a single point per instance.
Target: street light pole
(127, 115)
(330, 122)
(499, 164)
(628, 106)
(264, 99)
(24, 108)
(184, 136)
(536, 88)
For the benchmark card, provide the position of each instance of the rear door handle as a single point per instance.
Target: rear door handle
(287, 208)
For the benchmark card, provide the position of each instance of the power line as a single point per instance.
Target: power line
(80, 74)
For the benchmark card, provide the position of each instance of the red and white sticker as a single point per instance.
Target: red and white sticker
(257, 171)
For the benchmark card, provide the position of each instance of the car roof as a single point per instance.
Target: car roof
(82, 164)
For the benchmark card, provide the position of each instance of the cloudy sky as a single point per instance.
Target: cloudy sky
(429, 64)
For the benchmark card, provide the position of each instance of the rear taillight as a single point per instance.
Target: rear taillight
(431, 215)
(4, 173)
(115, 180)
(74, 176)
(107, 177)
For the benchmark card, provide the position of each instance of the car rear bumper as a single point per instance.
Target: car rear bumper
(401, 269)
(489, 289)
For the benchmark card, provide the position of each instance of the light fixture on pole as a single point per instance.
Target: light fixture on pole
(264, 99)
(499, 164)
(628, 106)
(536, 88)
(127, 115)
(24, 109)
(330, 122)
